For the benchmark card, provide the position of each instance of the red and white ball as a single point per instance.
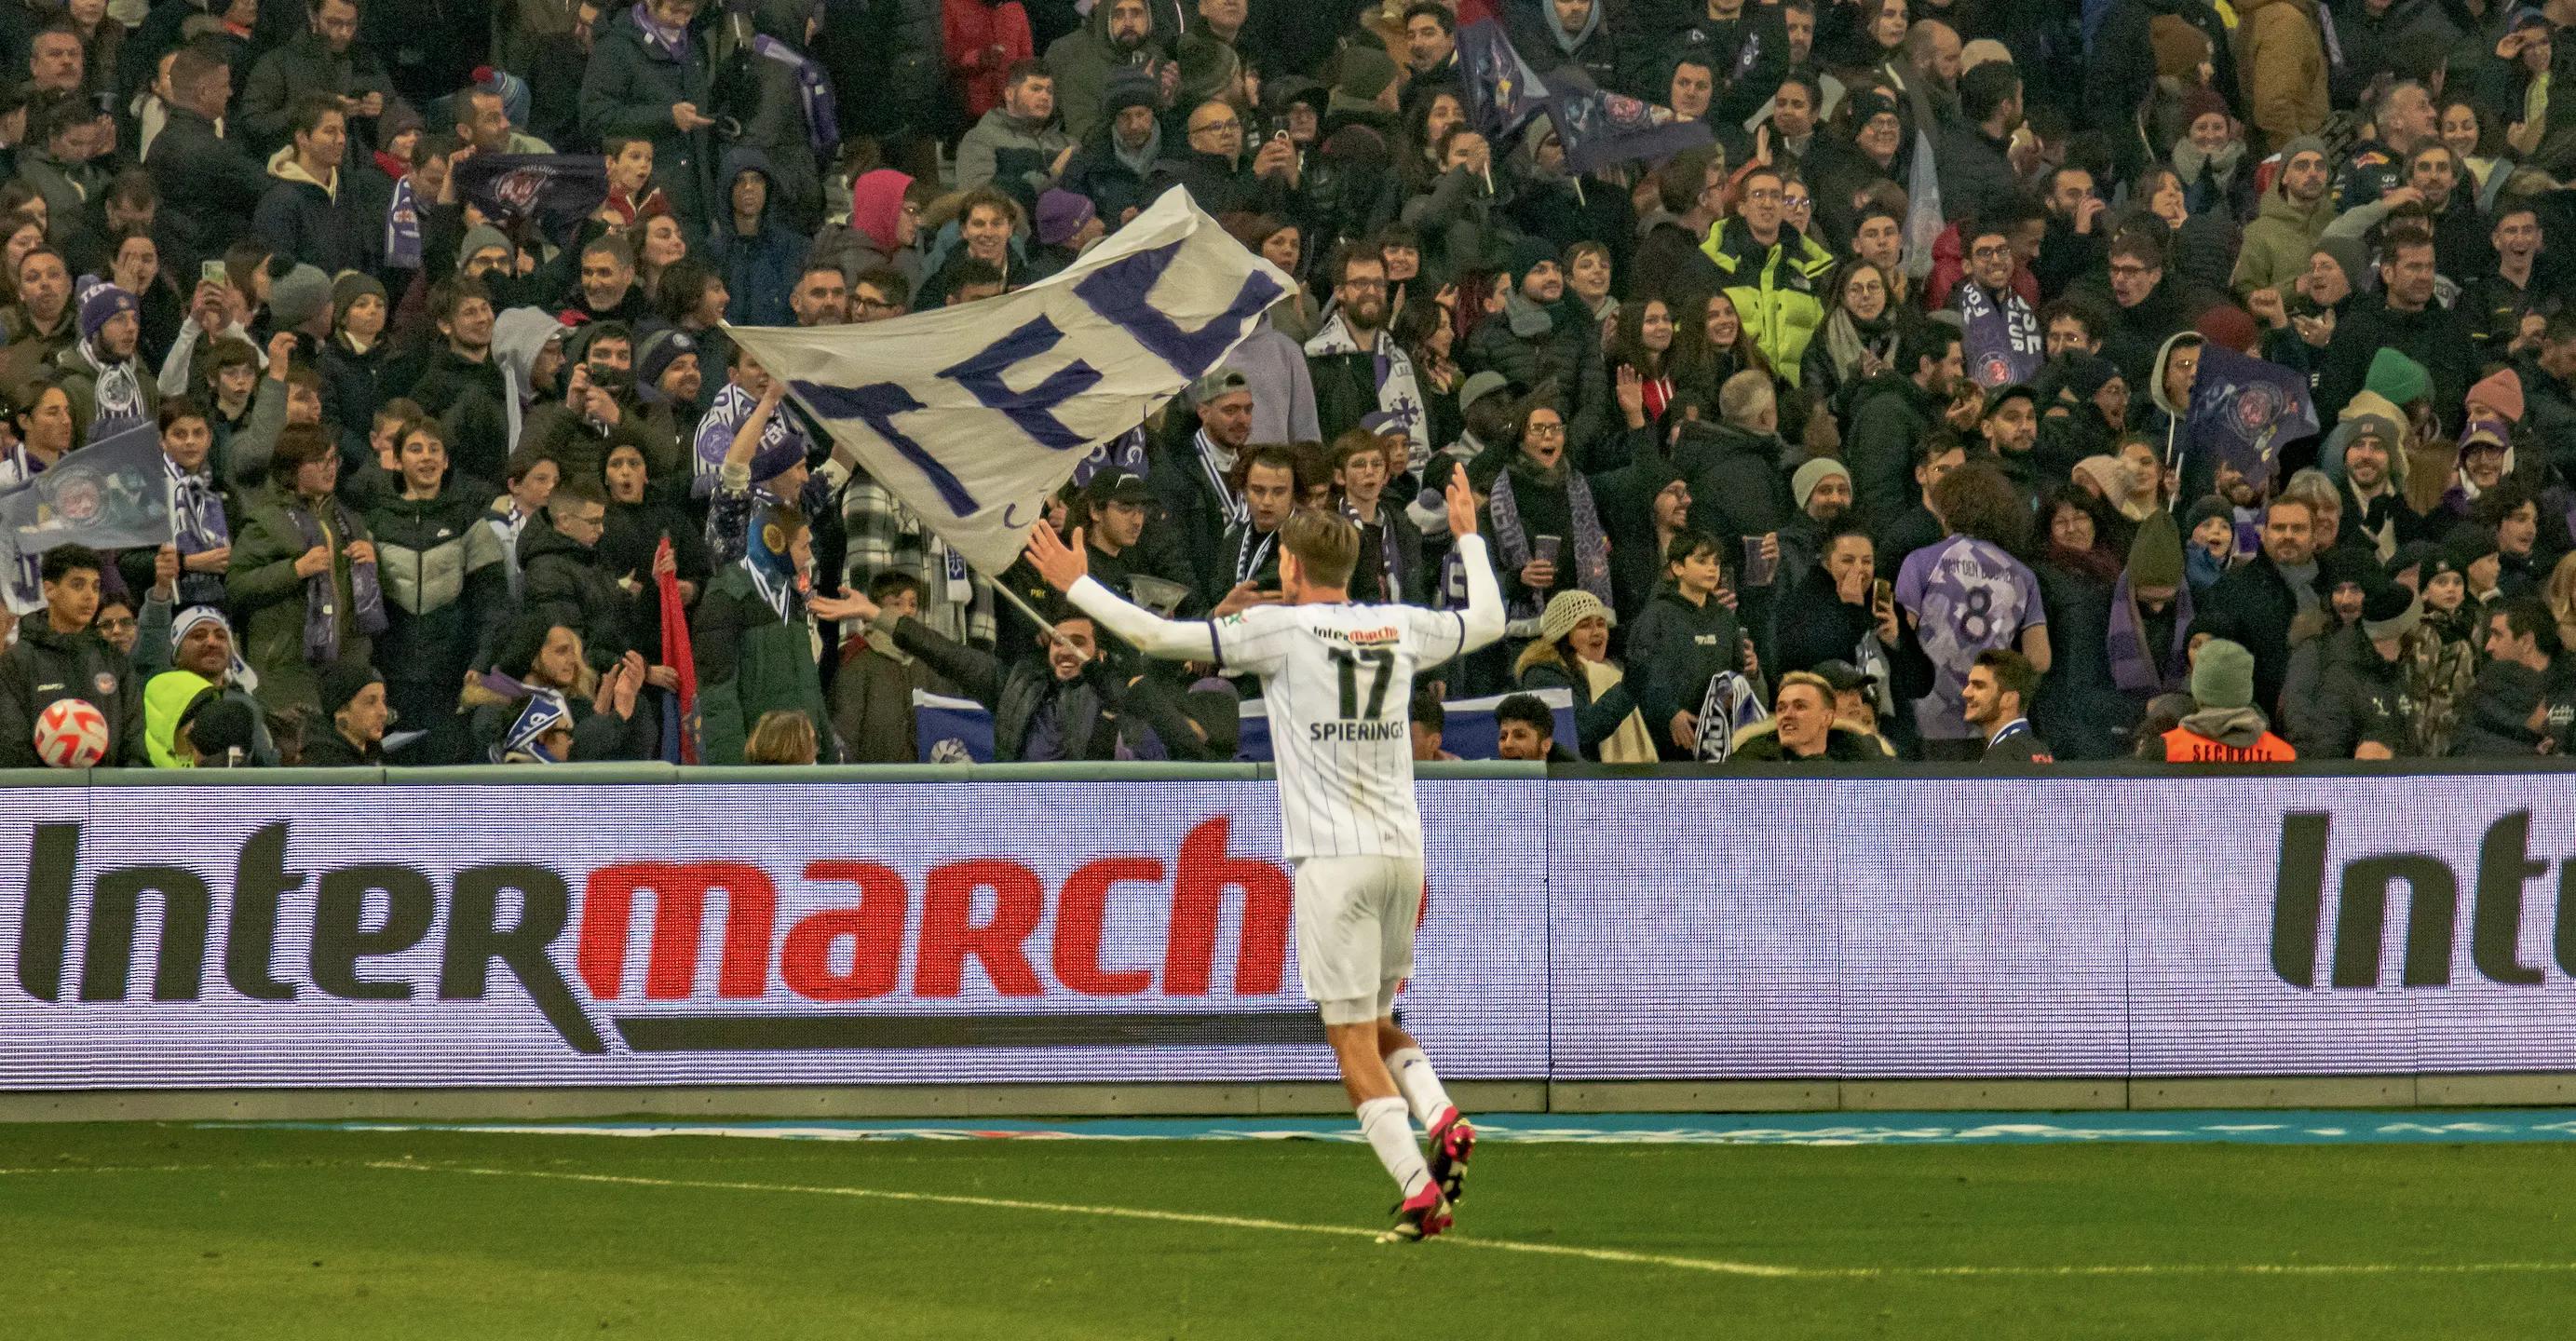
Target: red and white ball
(71, 733)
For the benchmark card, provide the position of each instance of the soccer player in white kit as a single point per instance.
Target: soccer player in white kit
(1338, 679)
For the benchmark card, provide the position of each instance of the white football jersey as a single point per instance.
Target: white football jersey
(1338, 680)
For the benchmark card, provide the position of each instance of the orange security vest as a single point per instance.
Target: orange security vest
(2184, 746)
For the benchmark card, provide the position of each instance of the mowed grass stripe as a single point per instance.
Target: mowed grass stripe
(1715, 1266)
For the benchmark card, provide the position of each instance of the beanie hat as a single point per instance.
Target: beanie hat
(2087, 374)
(2201, 102)
(2179, 48)
(2401, 379)
(1356, 145)
(2347, 253)
(662, 349)
(99, 305)
(2155, 557)
(2390, 612)
(2377, 426)
(2413, 554)
(2212, 508)
(1867, 103)
(342, 681)
(1366, 72)
(1061, 214)
(1480, 385)
(1130, 87)
(2467, 544)
(482, 238)
(1567, 609)
(352, 285)
(2304, 144)
(1522, 254)
(2346, 565)
(1802, 485)
(2501, 393)
(300, 296)
(2222, 675)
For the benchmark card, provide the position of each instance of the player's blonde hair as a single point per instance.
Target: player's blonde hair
(1326, 544)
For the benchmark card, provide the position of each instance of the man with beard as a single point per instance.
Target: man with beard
(2000, 689)
(1120, 504)
(1355, 364)
(2405, 318)
(2002, 341)
(2375, 511)
(110, 389)
(1193, 479)
(2266, 596)
(599, 410)
(821, 296)
(1116, 36)
(1540, 341)
(2071, 247)
(1822, 491)
(1116, 159)
(2294, 214)
(195, 655)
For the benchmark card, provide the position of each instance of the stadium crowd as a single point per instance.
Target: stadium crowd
(516, 494)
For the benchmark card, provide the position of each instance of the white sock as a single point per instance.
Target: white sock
(1421, 1085)
(1382, 1121)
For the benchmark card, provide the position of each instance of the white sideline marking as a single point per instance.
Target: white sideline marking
(1717, 1266)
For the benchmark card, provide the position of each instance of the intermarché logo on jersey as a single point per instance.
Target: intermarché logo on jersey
(859, 927)
(2498, 884)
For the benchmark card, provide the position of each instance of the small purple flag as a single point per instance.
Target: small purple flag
(555, 192)
(1599, 129)
(1502, 92)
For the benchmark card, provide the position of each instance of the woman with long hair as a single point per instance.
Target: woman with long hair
(1859, 338)
(1711, 344)
(1645, 348)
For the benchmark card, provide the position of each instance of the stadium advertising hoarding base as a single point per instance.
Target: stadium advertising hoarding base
(1591, 929)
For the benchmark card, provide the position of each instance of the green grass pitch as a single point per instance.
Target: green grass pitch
(141, 1231)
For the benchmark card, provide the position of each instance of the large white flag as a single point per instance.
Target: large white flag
(973, 415)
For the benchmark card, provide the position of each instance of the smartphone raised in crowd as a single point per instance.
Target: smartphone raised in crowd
(1758, 571)
(1545, 549)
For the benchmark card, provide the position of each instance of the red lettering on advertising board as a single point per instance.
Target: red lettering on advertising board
(1205, 873)
(874, 929)
(679, 917)
(1080, 910)
(949, 933)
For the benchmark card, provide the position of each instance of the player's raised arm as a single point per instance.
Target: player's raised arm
(1067, 569)
(1483, 618)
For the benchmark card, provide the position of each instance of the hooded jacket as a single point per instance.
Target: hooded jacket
(329, 225)
(866, 240)
(1774, 289)
(760, 269)
(2280, 240)
(565, 583)
(630, 87)
(1083, 60)
(1673, 650)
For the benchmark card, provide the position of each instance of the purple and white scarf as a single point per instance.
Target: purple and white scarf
(2132, 671)
(672, 41)
(402, 228)
(813, 92)
(2003, 344)
(1591, 550)
(321, 594)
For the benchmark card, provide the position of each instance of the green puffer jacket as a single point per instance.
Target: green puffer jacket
(1774, 289)
(750, 662)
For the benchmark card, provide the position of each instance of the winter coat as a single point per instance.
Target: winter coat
(2360, 696)
(1220, 185)
(1458, 223)
(872, 702)
(630, 87)
(1531, 345)
(767, 97)
(351, 394)
(969, 31)
(468, 399)
(561, 582)
(1669, 261)
(269, 601)
(2257, 597)
(1890, 416)
(1112, 184)
(2279, 241)
(1002, 145)
(1016, 691)
(1083, 60)
(2436, 337)
(759, 270)
(751, 662)
(44, 667)
(883, 57)
(1773, 288)
(1975, 175)
(2281, 62)
(80, 382)
(1595, 719)
(446, 591)
(306, 66)
(1736, 486)
(330, 226)
(216, 182)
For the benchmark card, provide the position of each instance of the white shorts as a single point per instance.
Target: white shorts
(1355, 919)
